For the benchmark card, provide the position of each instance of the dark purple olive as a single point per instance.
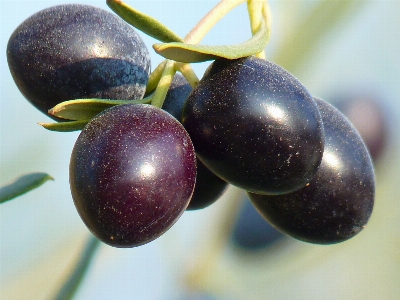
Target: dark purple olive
(254, 125)
(338, 202)
(176, 96)
(209, 187)
(77, 51)
(132, 174)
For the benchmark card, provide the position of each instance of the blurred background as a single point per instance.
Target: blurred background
(346, 52)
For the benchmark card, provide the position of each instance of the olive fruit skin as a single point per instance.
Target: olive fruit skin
(338, 202)
(132, 174)
(76, 51)
(209, 187)
(255, 126)
(177, 95)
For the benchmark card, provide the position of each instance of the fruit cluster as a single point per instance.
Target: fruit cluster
(135, 168)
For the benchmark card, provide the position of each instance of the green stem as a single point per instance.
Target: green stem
(210, 19)
(155, 77)
(162, 88)
(185, 69)
(188, 72)
(256, 9)
(193, 37)
(71, 285)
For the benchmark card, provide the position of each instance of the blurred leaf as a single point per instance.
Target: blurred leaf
(22, 185)
(65, 126)
(86, 109)
(190, 53)
(72, 283)
(300, 44)
(142, 22)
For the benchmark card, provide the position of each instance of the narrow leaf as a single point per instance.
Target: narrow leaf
(142, 22)
(65, 126)
(86, 109)
(22, 185)
(72, 283)
(306, 36)
(189, 53)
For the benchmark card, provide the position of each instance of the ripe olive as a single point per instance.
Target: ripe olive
(254, 125)
(77, 51)
(132, 174)
(337, 203)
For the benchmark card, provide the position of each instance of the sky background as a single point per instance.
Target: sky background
(41, 233)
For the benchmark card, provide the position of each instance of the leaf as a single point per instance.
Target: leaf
(189, 53)
(311, 30)
(22, 185)
(77, 275)
(65, 126)
(86, 109)
(142, 22)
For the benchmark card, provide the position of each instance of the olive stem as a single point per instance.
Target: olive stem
(257, 10)
(71, 285)
(194, 37)
(210, 19)
(155, 77)
(188, 73)
(163, 85)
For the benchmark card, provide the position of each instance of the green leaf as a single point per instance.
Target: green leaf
(65, 126)
(22, 185)
(142, 22)
(189, 53)
(86, 109)
(75, 278)
(312, 29)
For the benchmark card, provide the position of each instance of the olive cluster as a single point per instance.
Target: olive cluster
(136, 168)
